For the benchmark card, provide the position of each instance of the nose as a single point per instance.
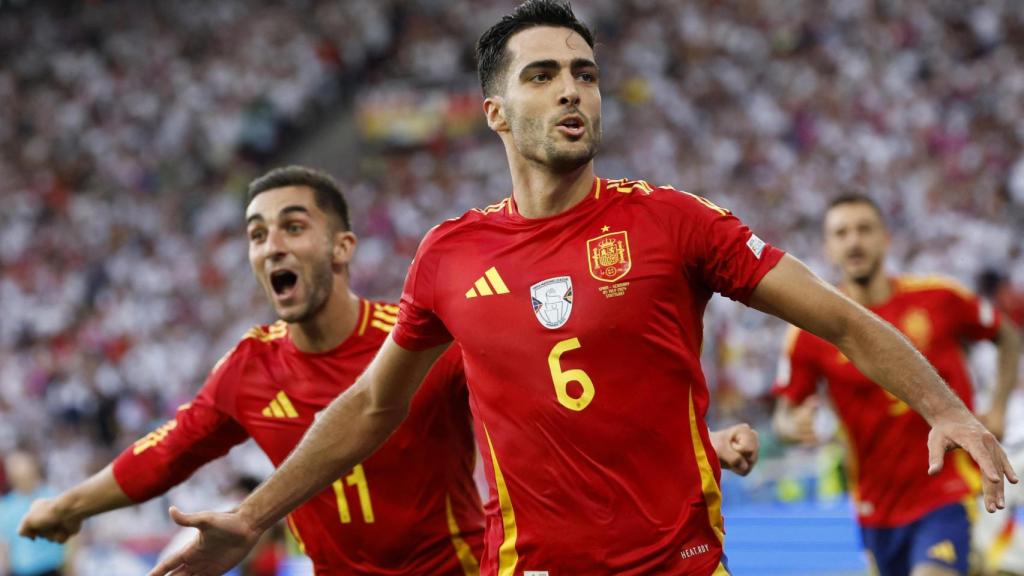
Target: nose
(569, 94)
(274, 246)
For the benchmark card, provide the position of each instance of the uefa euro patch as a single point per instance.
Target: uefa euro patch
(608, 256)
(552, 301)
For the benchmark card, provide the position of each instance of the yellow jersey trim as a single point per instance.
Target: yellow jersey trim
(462, 550)
(366, 317)
(964, 467)
(720, 570)
(508, 557)
(712, 493)
(275, 331)
(294, 528)
(922, 283)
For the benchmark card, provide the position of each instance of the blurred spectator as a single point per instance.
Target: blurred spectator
(21, 556)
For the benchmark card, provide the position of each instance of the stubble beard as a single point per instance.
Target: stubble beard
(320, 283)
(532, 140)
(865, 278)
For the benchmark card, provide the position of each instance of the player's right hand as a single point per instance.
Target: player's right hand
(47, 518)
(965, 431)
(223, 541)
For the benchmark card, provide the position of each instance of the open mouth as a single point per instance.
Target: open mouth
(572, 126)
(283, 281)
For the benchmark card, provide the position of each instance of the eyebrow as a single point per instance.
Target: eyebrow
(551, 64)
(295, 208)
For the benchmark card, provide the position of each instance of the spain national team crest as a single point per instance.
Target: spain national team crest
(608, 256)
(552, 301)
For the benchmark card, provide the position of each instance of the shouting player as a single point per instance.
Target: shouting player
(911, 522)
(412, 508)
(578, 303)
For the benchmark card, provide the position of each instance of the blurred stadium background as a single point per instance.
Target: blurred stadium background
(128, 130)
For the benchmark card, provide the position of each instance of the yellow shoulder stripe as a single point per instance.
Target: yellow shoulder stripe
(493, 207)
(932, 282)
(275, 331)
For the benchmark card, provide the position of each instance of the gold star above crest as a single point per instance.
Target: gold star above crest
(604, 228)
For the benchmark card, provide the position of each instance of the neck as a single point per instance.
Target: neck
(539, 192)
(331, 326)
(874, 291)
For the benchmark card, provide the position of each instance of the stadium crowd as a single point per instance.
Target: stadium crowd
(128, 131)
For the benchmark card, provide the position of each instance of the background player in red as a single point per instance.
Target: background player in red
(578, 305)
(411, 508)
(912, 522)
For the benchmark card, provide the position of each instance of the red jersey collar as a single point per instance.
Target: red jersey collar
(591, 197)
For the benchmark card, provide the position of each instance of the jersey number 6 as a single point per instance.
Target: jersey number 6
(561, 378)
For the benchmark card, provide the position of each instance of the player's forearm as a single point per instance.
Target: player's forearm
(1008, 346)
(96, 495)
(887, 358)
(347, 432)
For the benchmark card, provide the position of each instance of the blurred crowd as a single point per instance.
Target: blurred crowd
(128, 131)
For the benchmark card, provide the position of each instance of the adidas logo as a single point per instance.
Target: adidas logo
(943, 551)
(280, 407)
(488, 285)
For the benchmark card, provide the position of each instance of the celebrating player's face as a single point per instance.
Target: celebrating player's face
(290, 251)
(552, 101)
(856, 240)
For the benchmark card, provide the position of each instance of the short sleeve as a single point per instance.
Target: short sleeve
(798, 372)
(419, 327)
(719, 249)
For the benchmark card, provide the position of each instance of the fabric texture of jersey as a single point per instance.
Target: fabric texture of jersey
(887, 440)
(581, 335)
(411, 508)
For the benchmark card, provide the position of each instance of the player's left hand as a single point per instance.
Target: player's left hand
(965, 431)
(223, 541)
(737, 447)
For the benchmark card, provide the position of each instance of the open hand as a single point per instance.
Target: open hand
(967, 432)
(224, 540)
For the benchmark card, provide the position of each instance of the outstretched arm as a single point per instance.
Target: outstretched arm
(60, 517)
(792, 292)
(348, 431)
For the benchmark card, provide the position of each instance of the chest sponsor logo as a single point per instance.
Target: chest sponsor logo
(552, 301)
(608, 256)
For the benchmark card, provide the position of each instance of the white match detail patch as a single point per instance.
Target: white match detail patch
(756, 245)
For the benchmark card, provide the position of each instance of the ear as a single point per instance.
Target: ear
(343, 247)
(494, 110)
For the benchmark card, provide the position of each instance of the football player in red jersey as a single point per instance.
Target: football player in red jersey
(911, 522)
(578, 302)
(412, 507)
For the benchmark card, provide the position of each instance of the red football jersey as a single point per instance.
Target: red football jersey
(410, 508)
(887, 440)
(581, 336)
